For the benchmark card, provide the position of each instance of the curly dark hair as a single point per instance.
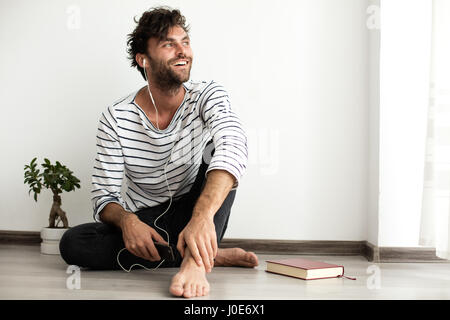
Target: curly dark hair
(154, 22)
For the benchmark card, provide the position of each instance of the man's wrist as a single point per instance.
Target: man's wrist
(202, 212)
(203, 207)
(125, 215)
(202, 215)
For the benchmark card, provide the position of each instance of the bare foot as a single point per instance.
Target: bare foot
(190, 281)
(235, 257)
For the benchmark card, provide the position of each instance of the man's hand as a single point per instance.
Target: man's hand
(200, 236)
(139, 237)
(200, 233)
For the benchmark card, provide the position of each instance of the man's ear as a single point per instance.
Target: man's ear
(142, 61)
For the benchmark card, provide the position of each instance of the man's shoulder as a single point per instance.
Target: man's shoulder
(122, 103)
(195, 85)
(203, 86)
(126, 99)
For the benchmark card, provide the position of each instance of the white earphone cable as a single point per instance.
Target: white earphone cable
(167, 183)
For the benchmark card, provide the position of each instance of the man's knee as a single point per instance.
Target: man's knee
(66, 245)
(74, 241)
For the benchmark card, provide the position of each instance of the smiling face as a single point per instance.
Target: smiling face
(170, 59)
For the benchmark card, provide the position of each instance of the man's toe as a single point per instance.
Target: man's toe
(253, 258)
(187, 291)
(176, 289)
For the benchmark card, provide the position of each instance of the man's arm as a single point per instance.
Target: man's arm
(113, 213)
(226, 167)
(200, 233)
(108, 172)
(218, 185)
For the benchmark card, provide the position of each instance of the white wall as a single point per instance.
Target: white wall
(297, 72)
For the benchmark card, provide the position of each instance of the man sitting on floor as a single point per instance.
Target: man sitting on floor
(182, 150)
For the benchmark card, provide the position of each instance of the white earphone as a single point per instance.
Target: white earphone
(151, 97)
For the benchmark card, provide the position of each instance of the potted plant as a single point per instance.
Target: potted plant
(57, 178)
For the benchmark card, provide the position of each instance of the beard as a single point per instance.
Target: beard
(166, 78)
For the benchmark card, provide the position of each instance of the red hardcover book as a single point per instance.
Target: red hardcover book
(305, 269)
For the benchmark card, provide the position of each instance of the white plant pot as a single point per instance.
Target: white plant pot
(50, 240)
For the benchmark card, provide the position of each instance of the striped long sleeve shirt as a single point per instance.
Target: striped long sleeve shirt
(132, 154)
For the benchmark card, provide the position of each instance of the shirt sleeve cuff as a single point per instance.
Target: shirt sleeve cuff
(100, 208)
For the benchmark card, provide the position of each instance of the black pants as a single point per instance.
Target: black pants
(96, 245)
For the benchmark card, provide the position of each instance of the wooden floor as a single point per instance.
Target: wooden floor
(25, 273)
